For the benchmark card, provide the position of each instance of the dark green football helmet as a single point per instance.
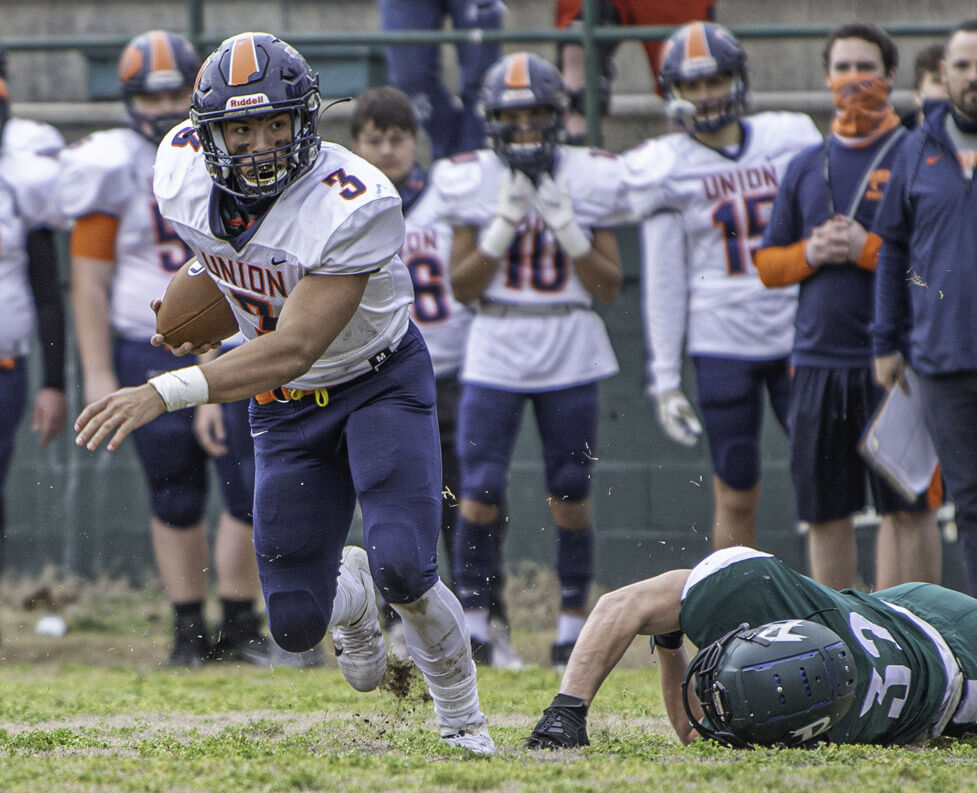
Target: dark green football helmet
(785, 683)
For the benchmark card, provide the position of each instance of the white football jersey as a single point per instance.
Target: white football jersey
(725, 200)
(557, 341)
(111, 173)
(341, 218)
(442, 320)
(27, 182)
(22, 133)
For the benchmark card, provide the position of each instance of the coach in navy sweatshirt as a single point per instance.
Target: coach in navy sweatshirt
(927, 278)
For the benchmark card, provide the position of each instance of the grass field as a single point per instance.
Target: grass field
(96, 711)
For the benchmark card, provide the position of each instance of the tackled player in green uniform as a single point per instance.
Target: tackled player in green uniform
(784, 660)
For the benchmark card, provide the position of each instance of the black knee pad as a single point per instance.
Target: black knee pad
(295, 620)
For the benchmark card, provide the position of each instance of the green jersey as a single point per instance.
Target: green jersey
(914, 646)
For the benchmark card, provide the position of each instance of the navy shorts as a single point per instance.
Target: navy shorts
(376, 442)
(488, 423)
(829, 410)
(731, 403)
(174, 463)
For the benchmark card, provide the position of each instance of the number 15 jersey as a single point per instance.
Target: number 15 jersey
(725, 199)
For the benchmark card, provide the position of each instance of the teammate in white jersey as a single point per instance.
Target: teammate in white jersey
(384, 130)
(123, 256)
(23, 133)
(715, 183)
(303, 238)
(533, 247)
(30, 291)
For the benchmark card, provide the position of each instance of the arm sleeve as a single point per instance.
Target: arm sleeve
(665, 297)
(46, 286)
(783, 265)
(892, 222)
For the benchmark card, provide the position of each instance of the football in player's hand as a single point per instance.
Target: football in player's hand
(194, 309)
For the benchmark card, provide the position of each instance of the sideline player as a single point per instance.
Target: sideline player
(893, 667)
(302, 237)
(720, 176)
(821, 237)
(533, 248)
(30, 288)
(23, 133)
(123, 254)
(384, 131)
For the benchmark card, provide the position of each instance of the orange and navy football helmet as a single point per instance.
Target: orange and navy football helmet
(153, 62)
(254, 74)
(696, 51)
(524, 80)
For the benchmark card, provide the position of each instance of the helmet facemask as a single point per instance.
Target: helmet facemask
(532, 158)
(707, 115)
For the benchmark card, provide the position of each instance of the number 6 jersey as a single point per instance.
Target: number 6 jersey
(725, 199)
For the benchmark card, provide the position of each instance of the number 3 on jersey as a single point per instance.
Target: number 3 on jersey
(742, 221)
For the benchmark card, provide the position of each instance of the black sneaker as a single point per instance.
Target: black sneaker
(560, 655)
(482, 652)
(241, 640)
(190, 650)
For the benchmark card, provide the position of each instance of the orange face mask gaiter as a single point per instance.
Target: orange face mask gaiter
(862, 106)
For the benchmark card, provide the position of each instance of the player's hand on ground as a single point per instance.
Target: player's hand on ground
(830, 243)
(889, 370)
(117, 415)
(50, 414)
(677, 417)
(563, 725)
(208, 426)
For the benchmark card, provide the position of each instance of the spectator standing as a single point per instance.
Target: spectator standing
(717, 180)
(928, 87)
(820, 236)
(452, 123)
(925, 222)
(617, 12)
(123, 254)
(344, 406)
(30, 288)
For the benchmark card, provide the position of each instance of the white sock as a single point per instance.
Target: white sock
(477, 621)
(438, 641)
(348, 605)
(568, 628)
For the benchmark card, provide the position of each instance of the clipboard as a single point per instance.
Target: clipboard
(896, 443)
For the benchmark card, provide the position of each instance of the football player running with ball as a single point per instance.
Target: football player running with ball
(303, 238)
(716, 181)
(533, 247)
(123, 255)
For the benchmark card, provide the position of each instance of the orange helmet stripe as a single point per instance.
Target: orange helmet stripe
(696, 44)
(244, 60)
(161, 56)
(517, 72)
(130, 63)
(4, 93)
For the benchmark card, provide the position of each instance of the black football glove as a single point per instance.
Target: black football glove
(563, 725)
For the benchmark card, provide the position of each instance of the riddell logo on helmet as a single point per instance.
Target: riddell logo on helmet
(239, 102)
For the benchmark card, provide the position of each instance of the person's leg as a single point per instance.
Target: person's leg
(395, 461)
(474, 59)
(13, 396)
(832, 552)
(950, 410)
(488, 421)
(567, 421)
(416, 70)
(908, 548)
(175, 469)
(730, 395)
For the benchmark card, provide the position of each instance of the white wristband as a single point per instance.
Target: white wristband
(573, 240)
(182, 388)
(497, 237)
